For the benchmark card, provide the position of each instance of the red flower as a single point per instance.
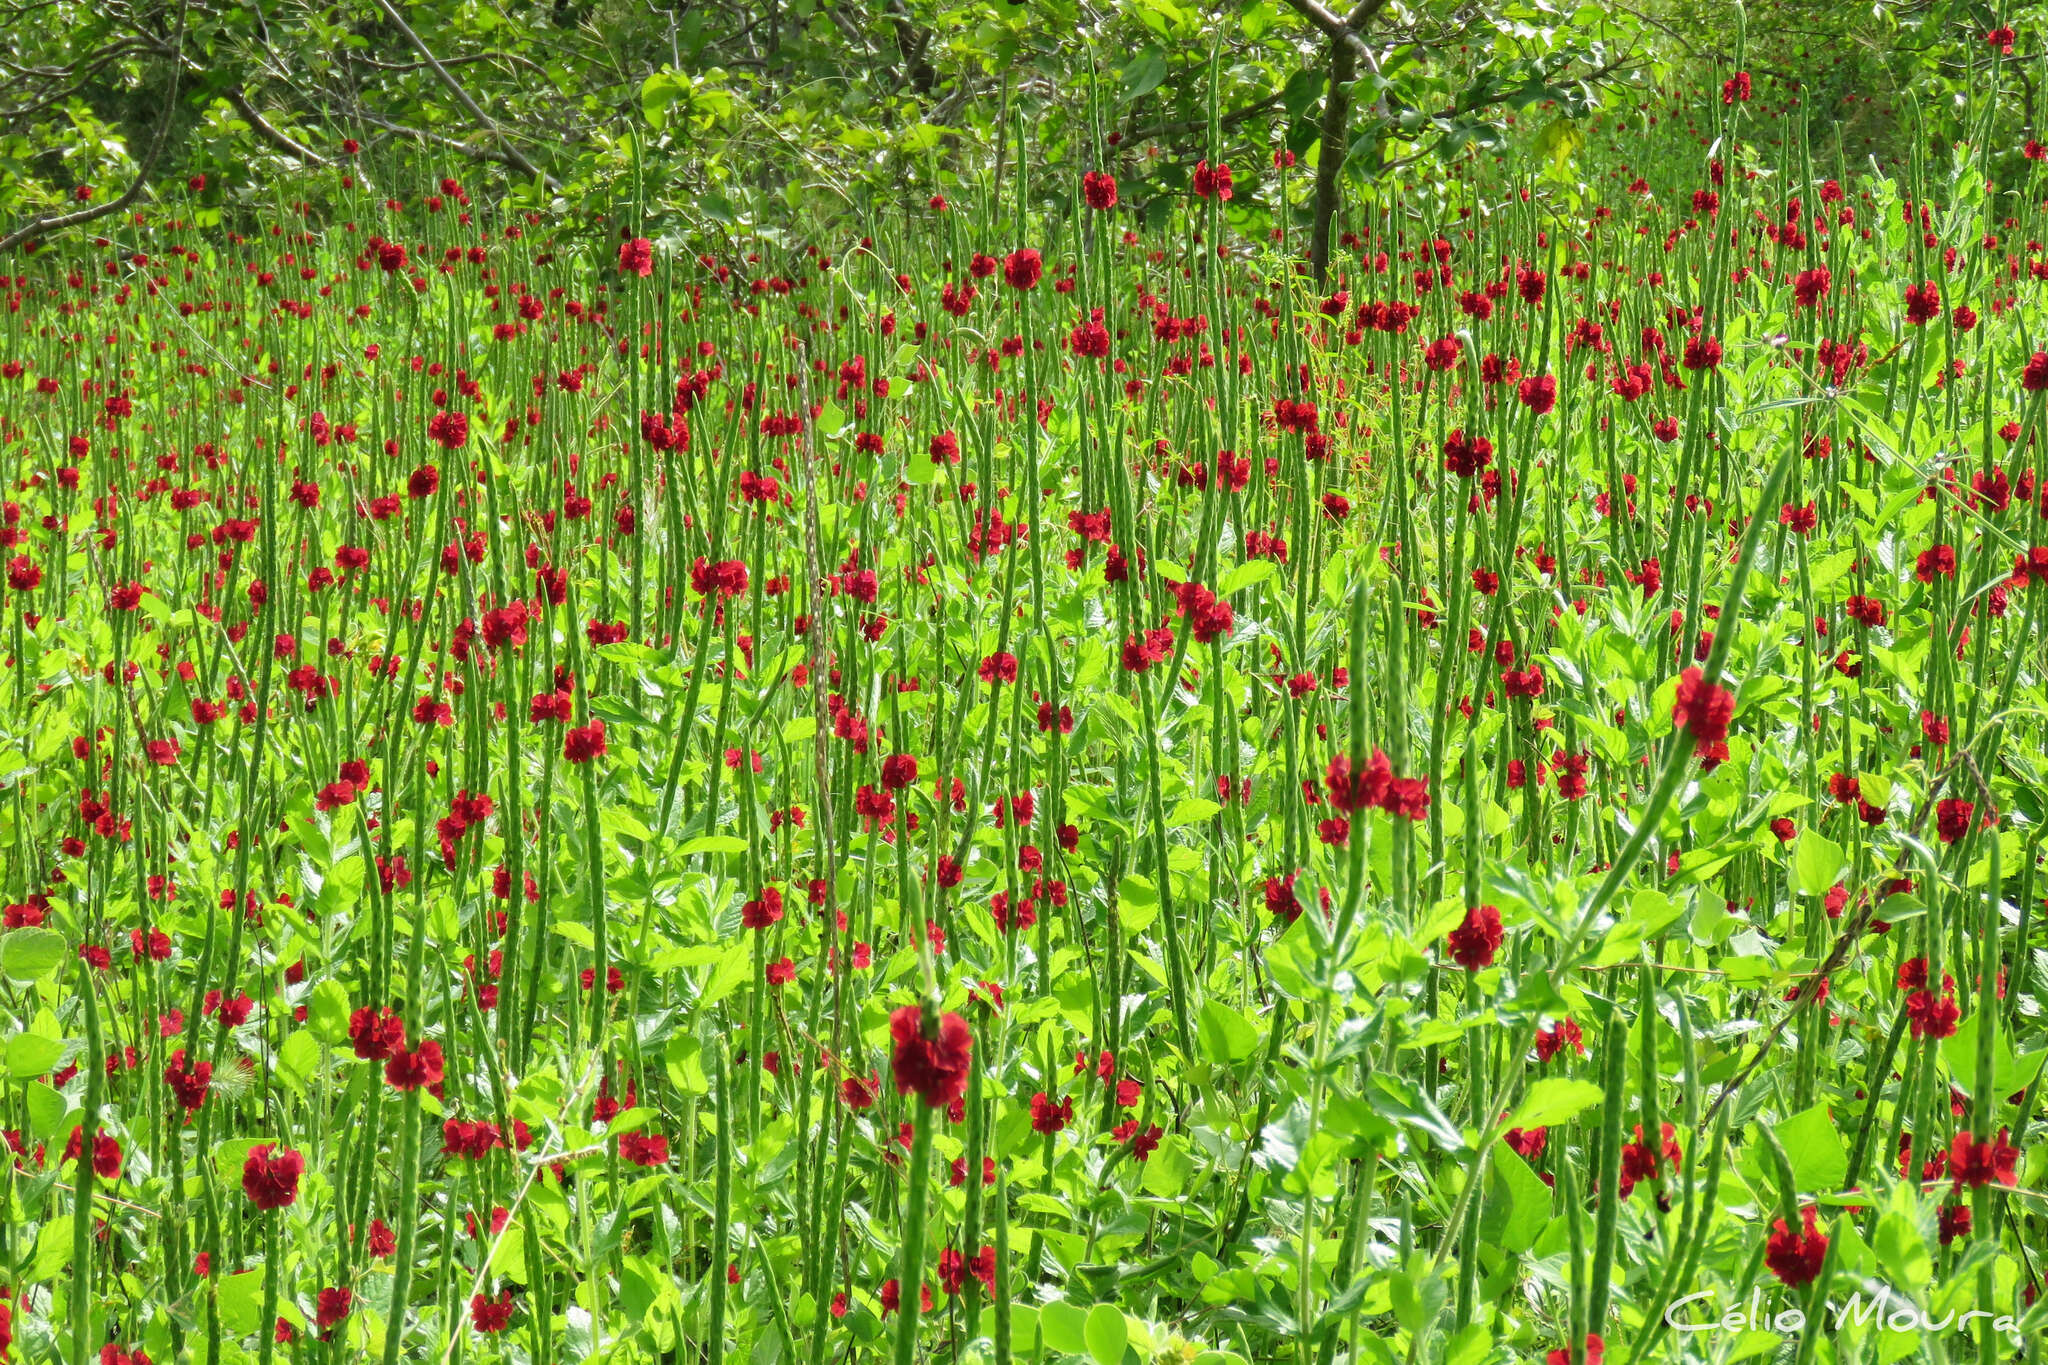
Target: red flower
(1974, 1163)
(1143, 1141)
(1356, 791)
(1099, 189)
(190, 1084)
(1022, 268)
(1702, 709)
(1952, 818)
(449, 430)
(644, 1149)
(1795, 1257)
(1555, 1039)
(727, 578)
(1211, 181)
(412, 1070)
(491, 1315)
(1640, 1161)
(1474, 942)
(106, 1148)
(636, 257)
(1048, 1117)
(582, 743)
(1923, 303)
(334, 1307)
(270, 1177)
(763, 911)
(376, 1035)
(1281, 900)
(1932, 1017)
(899, 771)
(935, 1068)
(1538, 393)
(1596, 1348)
(1935, 559)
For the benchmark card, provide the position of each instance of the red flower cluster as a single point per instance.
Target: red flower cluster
(270, 1176)
(1477, 938)
(935, 1069)
(1795, 1256)
(1704, 711)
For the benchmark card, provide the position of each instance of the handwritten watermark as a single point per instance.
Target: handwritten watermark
(1885, 1310)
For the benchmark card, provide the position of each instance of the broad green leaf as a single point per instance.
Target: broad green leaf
(28, 954)
(31, 1054)
(1554, 1101)
(1812, 1140)
(1107, 1334)
(1064, 1327)
(1817, 864)
(1227, 1038)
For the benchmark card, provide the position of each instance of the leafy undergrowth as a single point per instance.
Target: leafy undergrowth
(599, 803)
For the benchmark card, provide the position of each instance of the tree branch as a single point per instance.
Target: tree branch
(1229, 120)
(162, 137)
(272, 134)
(513, 156)
(1337, 30)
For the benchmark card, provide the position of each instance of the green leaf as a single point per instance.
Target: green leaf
(299, 1058)
(509, 1256)
(327, 1012)
(29, 954)
(1555, 1101)
(53, 1249)
(1244, 576)
(1144, 74)
(1813, 1143)
(683, 1059)
(2009, 1074)
(1167, 1173)
(31, 1054)
(1902, 1251)
(657, 93)
(1107, 1334)
(1521, 1210)
(241, 1301)
(1817, 864)
(47, 1111)
(1470, 1346)
(713, 843)
(1227, 1038)
(1064, 1327)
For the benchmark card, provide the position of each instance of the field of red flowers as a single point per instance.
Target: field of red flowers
(1033, 786)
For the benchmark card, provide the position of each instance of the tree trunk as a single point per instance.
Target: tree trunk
(1330, 156)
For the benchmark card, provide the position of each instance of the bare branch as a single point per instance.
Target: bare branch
(277, 137)
(475, 153)
(513, 156)
(57, 222)
(374, 64)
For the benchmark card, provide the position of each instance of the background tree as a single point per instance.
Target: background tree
(752, 118)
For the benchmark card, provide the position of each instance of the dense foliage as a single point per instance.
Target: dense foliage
(975, 761)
